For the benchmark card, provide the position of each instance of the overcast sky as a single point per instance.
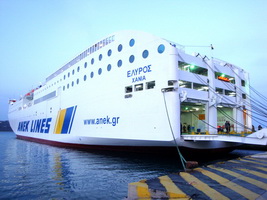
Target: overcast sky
(37, 37)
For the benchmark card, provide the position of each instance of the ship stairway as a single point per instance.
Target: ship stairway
(256, 138)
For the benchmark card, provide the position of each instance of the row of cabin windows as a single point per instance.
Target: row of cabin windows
(140, 86)
(204, 72)
(145, 54)
(229, 93)
(201, 87)
(87, 52)
(191, 85)
(225, 92)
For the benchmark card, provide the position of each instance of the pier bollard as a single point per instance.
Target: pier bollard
(191, 164)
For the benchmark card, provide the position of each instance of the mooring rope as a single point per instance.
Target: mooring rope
(183, 161)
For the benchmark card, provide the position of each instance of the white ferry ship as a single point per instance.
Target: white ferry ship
(133, 90)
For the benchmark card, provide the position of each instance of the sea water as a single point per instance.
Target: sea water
(31, 170)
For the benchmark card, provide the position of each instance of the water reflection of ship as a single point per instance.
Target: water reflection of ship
(57, 169)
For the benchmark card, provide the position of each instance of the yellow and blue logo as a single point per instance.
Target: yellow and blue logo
(65, 119)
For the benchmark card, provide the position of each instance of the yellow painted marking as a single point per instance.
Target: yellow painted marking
(262, 168)
(172, 190)
(227, 183)
(253, 162)
(258, 161)
(241, 177)
(142, 190)
(213, 194)
(60, 120)
(257, 158)
(259, 174)
(240, 162)
(56, 125)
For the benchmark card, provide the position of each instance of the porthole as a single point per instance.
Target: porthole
(92, 74)
(131, 59)
(85, 64)
(77, 81)
(92, 61)
(131, 43)
(119, 48)
(100, 57)
(109, 67)
(99, 71)
(78, 69)
(72, 72)
(72, 83)
(109, 52)
(145, 54)
(119, 63)
(84, 77)
(161, 48)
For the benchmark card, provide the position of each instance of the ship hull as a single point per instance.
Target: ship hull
(166, 150)
(129, 90)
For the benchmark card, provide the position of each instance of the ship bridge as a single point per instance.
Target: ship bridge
(256, 138)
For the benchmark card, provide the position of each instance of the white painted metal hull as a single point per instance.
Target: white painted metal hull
(129, 98)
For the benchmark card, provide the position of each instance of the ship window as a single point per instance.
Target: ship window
(219, 90)
(200, 87)
(109, 52)
(119, 48)
(243, 83)
(128, 89)
(100, 71)
(131, 59)
(119, 63)
(78, 69)
(131, 43)
(84, 77)
(223, 77)
(100, 57)
(92, 74)
(109, 67)
(185, 84)
(64, 77)
(161, 48)
(63, 87)
(72, 83)
(150, 85)
(138, 87)
(192, 68)
(68, 86)
(72, 72)
(85, 64)
(68, 74)
(145, 54)
(92, 61)
(230, 93)
(128, 96)
(77, 81)
(172, 82)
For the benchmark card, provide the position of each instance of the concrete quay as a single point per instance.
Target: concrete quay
(242, 178)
